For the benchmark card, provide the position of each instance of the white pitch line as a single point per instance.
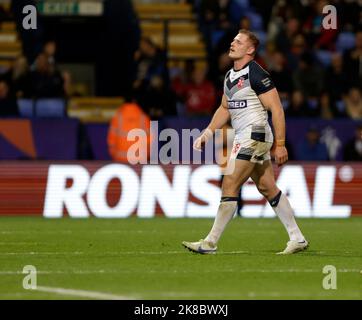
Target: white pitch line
(55, 232)
(184, 295)
(83, 293)
(51, 253)
(96, 253)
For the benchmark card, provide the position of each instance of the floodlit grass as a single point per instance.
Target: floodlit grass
(143, 259)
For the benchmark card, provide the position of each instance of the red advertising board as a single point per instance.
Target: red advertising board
(110, 190)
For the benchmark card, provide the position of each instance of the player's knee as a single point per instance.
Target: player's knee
(263, 190)
(267, 190)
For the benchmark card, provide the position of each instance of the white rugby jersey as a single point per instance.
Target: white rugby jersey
(249, 118)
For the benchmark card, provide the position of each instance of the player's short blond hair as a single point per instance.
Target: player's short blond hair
(252, 37)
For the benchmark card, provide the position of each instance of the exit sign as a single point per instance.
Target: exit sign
(70, 8)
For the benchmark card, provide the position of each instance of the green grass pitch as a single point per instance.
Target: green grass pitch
(143, 259)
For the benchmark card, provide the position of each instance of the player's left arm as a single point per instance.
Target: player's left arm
(271, 102)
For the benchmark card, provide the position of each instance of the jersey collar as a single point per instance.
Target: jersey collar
(243, 67)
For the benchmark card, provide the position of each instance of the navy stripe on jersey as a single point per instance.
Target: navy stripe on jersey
(260, 80)
(230, 84)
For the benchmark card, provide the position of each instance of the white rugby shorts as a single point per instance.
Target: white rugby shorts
(251, 150)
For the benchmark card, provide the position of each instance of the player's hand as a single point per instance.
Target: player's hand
(280, 155)
(200, 141)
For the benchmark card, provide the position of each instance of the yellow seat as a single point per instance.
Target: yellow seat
(7, 63)
(165, 11)
(8, 36)
(8, 26)
(94, 109)
(6, 5)
(199, 64)
(163, 7)
(9, 54)
(184, 38)
(10, 46)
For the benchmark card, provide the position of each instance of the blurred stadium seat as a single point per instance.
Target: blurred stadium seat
(216, 36)
(164, 11)
(256, 20)
(10, 45)
(262, 38)
(50, 108)
(345, 41)
(184, 39)
(26, 108)
(324, 57)
(243, 3)
(94, 109)
(341, 106)
(237, 10)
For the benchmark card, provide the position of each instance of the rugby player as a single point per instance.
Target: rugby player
(249, 93)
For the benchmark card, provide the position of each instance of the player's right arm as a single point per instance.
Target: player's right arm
(219, 119)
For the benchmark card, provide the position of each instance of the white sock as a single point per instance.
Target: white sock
(224, 215)
(284, 211)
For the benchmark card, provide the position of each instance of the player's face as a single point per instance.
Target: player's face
(240, 47)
